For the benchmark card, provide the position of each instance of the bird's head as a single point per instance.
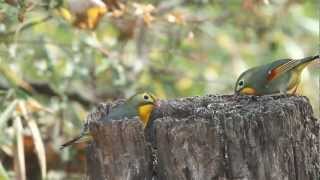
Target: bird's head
(141, 99)
(145, 103)
(244, 84)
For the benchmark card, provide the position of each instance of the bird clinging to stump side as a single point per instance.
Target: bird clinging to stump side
(141, 105)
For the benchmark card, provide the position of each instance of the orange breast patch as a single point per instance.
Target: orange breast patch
(145, 112)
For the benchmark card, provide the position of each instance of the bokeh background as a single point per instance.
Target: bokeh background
(58, 59)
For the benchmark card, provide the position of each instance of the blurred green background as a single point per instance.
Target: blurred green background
(53, 73)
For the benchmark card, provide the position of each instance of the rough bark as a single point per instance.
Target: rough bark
(211, 138)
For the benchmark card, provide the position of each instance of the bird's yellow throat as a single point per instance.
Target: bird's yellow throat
(145, 112)
(248, 91)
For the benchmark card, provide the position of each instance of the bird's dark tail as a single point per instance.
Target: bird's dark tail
(78, 139)
(68, 143)
(309, 59)
(306, 61)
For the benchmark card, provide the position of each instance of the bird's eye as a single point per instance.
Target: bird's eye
(145, 97)
(241, 83)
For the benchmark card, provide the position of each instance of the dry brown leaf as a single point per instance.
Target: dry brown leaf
(39, 146)
(176, 17)
(148, 19)
(117, 13)
(145, 11)
(31, 106)
(84, 14)
(19, 158)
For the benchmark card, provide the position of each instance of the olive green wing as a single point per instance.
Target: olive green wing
(122, 111)
(284, 65)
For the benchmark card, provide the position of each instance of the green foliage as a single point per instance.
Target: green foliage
(3, 174)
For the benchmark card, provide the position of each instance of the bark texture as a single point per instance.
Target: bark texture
(210, 138)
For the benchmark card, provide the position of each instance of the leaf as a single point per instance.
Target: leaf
(7, 149)
(21, 94)
(4, 117)
(13, 78)
(84, 14)
(5, 139)
(33, 105)
(2, 93)
(39, 145)
(3, 173)
(145, 11)
(19, 158)
(65, 13)
(176, 17)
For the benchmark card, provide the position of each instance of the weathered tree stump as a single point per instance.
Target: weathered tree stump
(211, 138)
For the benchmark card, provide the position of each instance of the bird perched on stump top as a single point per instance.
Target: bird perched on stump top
(281, 76)
(140, 105)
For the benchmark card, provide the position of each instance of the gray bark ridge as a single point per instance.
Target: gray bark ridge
(211, 138)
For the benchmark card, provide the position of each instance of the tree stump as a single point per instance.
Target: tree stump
(211, 138)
